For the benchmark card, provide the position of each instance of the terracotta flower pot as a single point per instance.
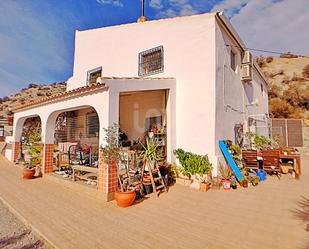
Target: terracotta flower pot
(226, 184)
(125, 199)
(205, 186)
(28, 173)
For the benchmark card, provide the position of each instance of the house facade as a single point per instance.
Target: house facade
(185, 74)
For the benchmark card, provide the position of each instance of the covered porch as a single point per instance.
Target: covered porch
(72, 124)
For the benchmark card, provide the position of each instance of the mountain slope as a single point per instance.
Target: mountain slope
(29, 94)
(288, 76)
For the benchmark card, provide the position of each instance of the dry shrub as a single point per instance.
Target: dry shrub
(286, 80)
(288, 55)
(279, 108)
(274, 91)
(260, 61)
(297, 95)
(306, 71)
(275, 73)
(269, 59)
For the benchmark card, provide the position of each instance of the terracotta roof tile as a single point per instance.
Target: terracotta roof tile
(59, 96)
(137, 78)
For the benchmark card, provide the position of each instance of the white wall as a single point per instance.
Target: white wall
(233, 97)
(189, 56)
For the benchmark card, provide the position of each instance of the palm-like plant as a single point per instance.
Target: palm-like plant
(225, 171)
(150, 151)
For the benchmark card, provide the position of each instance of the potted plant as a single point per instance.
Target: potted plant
(32, 165)
(199, 168)
(183, 172)
(195, 167)
(111, 151)
(233, 182)
(150, 153)
(148, 156)
(216, 183)
(205, 185)
(226, 174)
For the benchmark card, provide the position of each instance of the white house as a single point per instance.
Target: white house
(191, 74)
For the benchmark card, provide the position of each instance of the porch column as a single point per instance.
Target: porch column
(107, 176)
(15, 150)
(47, 157)
(107, 179)
(47, 146)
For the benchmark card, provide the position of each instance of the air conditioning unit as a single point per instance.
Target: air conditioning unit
(247, 58)
(246, 72)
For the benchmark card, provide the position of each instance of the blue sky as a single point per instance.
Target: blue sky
(37, 36)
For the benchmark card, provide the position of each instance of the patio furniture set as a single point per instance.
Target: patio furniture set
(274, 161)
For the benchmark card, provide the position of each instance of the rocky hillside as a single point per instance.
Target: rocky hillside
(29, 94)
(288, 76)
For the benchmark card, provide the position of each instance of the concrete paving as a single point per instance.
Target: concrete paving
(69, 215)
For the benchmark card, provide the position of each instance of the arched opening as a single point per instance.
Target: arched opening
(30, 141)
(76, 145)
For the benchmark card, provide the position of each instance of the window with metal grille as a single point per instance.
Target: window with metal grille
(92, 124)
(93, 74)
(151, 61)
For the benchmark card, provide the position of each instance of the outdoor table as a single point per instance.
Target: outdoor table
(296, 162)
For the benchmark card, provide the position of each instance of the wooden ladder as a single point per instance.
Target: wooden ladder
(155, 175)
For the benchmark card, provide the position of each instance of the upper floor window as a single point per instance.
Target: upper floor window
(233, 60)
(93, 74)
(151, 61)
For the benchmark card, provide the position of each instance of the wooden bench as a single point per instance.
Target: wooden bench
(78, 168)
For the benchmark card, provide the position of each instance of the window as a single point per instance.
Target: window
(1, 131)
(233, 60)
(92, 124)
(151, 61)
(93, 74)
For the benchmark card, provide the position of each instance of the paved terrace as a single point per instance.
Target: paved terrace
(72, 216)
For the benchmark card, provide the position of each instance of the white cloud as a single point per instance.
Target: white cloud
(172, 8)
(156, 4)
(271, 25)
(117, 3)
(229, 6)
(29, 51)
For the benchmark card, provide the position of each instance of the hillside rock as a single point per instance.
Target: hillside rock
(32, 93)
(288, 77)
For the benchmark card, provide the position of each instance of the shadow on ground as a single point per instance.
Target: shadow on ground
(8, 242)
(302, 213)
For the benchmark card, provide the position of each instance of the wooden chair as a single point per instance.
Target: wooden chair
(63, 157)
(249, 158)
(271, 161)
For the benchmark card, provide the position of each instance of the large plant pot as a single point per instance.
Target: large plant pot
(195, 184)
(183, 182)
(148, 188)
(204, 187)
(125, 199)
(28, 173)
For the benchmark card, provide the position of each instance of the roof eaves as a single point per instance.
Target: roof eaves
(60, 96)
